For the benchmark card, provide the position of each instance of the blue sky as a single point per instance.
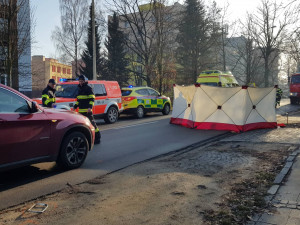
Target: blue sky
(47, 16)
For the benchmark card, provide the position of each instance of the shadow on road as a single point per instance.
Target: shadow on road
(24, 175)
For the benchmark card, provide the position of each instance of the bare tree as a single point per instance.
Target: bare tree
(220, 36)
(69, 37)
(166, 20)
(16, 38)
(140, 32)
(199, 44)
(293, 49)
(269, 30)
(244, 58)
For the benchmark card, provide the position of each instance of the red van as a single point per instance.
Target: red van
(108, 97)
(295, 88)
(31, 134)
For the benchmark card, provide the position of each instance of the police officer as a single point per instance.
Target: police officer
(85, 102)
(48, 94)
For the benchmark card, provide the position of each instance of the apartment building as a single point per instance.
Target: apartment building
(44, 69)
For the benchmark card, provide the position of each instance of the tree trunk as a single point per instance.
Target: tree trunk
(266, 74)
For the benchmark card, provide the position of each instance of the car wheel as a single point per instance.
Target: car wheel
(112, 115)
(166, 109)
(140, 112)
(73, 151)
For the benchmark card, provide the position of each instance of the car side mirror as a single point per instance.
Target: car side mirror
(34, 107)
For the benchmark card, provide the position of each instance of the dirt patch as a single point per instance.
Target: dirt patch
(223, 183)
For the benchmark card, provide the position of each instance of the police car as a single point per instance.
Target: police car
(140, 100)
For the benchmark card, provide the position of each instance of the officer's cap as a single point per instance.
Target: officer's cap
(52, 81)
(81, 77)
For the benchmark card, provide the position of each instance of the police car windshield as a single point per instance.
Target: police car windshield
(66, 91)
(126, 92)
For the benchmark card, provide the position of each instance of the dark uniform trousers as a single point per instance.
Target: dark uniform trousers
(97, 131)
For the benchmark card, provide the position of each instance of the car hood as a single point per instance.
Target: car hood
(57, 100)
(62, 114)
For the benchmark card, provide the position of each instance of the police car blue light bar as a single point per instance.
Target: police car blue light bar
(63, 79)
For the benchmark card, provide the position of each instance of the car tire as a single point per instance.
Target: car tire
(140, 112)
(73, 151)
(166, 109)
(111, 115)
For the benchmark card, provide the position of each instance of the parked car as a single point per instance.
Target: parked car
(140, 100)
(108, 98)
(31, 134)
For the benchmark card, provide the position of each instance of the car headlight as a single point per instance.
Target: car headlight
(293, 93)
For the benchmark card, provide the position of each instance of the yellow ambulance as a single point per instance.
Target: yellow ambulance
(217, 78)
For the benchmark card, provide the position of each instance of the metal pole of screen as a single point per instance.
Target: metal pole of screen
(94, 41)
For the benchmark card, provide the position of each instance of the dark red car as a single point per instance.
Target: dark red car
(31, 134)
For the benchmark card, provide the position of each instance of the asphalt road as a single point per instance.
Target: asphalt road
(124, 143)
(286, 107)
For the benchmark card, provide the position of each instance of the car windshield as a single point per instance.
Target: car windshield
(295, 79)
(126, 92)
(66, 91)
(210, 84)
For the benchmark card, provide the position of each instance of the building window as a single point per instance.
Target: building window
(3, 53)
(139, 69)
(3, 24)
(139, 59)
(68, 71)
(58, 69)
(64, 70)
(126, 36)
(53, 68)
(3, 79)
(126, 25)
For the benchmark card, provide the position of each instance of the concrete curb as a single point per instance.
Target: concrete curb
(285, 170)
(276, 185)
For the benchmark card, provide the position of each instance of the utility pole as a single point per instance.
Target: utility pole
(94, 41)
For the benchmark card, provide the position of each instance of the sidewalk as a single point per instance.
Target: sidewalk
(284, 195)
